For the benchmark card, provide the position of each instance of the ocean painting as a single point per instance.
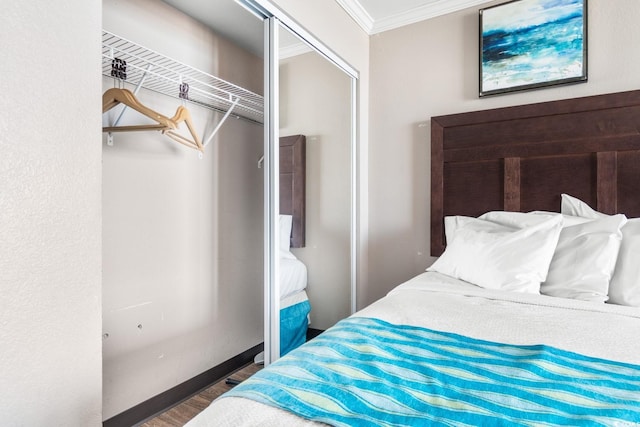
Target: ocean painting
(527, 44)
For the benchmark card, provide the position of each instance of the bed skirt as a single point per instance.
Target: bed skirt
(294, 321)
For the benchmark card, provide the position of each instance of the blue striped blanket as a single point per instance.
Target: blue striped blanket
(367, 372)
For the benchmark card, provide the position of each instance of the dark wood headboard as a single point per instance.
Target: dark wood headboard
(522, 158)
(292, 184)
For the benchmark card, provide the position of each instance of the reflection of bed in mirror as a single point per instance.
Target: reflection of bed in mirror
(294, 303)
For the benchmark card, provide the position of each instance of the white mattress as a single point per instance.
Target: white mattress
(438, 302)
(293, 276)
(294, 299)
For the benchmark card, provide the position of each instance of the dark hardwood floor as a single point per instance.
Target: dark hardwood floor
(185, 411)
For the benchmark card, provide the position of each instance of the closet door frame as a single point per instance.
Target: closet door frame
(272, 192)
(274, 18)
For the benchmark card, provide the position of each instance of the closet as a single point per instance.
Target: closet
(182, 223)
(189, 218)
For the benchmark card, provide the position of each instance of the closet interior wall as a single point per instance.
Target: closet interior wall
(182, 236)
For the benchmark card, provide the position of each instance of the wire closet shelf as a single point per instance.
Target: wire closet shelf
(164, 75)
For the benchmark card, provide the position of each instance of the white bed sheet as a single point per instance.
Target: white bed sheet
(439, 302)
(294, 299)
(293, 277)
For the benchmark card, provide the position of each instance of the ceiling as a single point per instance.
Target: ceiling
(232, 21)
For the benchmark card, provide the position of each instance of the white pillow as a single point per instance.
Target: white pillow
(624, 288)
(584, 258)
(285, 232)
(495, 256)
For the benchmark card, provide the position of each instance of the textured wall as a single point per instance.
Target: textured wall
(50, 217)
(431, 68)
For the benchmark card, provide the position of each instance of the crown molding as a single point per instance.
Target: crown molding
(438, 8)
(421, 13)
(358, 13)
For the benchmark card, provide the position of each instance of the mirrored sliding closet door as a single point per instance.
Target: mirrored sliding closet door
(309, 138)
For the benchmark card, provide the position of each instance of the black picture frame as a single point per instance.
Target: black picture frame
(530, 44)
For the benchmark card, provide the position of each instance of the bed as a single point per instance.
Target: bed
(530, 315)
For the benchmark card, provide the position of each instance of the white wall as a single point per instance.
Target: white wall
(50, 255)
(429, 69)
(182, 235)
(315, 100)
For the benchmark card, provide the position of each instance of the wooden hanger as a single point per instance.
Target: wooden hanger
(116, 96)
(183, 115)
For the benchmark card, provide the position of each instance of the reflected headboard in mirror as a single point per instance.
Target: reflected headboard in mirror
(523, 158)
(292, 184)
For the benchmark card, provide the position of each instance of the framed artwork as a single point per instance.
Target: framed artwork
(528, 44)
